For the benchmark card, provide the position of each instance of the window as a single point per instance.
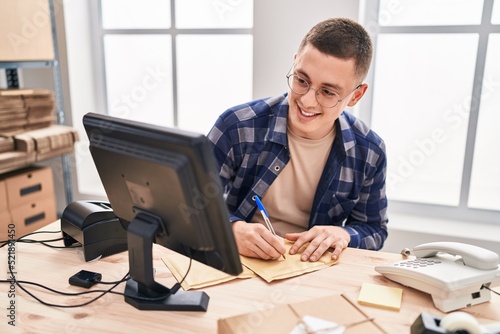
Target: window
(435, 98)
(162, 59)
(160, 62)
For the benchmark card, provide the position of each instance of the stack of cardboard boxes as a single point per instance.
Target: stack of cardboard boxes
(27, 201)
(25, 109)
(27, 132)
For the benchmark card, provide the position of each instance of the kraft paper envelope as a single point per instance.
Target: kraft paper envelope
(285, 268)
(200, 275)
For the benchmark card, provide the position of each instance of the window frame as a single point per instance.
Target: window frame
(100, 32)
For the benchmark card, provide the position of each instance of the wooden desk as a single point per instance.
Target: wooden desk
(110, 314)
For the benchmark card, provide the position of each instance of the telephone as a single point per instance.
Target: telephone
(457, 275)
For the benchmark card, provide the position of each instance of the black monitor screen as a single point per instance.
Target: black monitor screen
(163, 184)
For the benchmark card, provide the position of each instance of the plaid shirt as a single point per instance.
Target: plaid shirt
(250, 146)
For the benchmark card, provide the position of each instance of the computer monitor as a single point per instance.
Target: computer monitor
(163, 184)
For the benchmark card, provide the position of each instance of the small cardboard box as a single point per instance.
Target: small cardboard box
(47, 142)
(12, 160)
(30, 217)
(282, 319)
(5, 221)
(25, 31)
(29, 185)
(6, 143)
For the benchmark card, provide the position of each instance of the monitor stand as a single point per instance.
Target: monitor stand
(141, 290)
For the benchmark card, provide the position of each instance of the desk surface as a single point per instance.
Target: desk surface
(110, 314)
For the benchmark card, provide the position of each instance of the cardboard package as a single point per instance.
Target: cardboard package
(25, 31)
(47, 142)
(25, 109)
(29, 200)
(31, 216)
(285, 319)
(12, 160)
(28, 185)
(6, 143)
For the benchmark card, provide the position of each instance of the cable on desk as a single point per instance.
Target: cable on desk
(102, 292)
(70, 293)
(488, 288)
(126, 278)
(43, 242)
(173, 290)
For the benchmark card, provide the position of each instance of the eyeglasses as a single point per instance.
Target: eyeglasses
(324, 96)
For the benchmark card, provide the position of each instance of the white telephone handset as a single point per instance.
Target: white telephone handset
(472, 256)
(457, 275)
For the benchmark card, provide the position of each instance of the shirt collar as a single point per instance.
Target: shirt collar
(277, 125)
(347, 135)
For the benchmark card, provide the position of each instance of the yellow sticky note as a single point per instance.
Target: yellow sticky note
(380, 296)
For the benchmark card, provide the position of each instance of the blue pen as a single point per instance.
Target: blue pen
(264, 214)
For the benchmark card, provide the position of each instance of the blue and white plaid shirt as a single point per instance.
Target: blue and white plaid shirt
(250, 146)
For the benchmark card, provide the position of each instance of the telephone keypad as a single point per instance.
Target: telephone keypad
(417, 263)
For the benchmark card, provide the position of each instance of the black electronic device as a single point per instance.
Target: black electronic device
(164, 183)
(94, 225)
(85, 278)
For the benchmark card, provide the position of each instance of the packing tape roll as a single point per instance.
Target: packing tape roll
(456, 321)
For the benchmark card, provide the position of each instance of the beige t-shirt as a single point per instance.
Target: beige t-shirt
(288, 200)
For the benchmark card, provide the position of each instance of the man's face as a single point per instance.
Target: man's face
(306, 117)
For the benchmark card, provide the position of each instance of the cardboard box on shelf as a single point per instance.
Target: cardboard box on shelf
(25, 109)
(6, 143)
(47, 142)
(13, 160)
(25, 31)
(30, 216)
(28, 185)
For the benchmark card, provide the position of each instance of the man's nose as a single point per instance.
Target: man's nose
(309, 99)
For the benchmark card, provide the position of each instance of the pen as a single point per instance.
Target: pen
(264, 214)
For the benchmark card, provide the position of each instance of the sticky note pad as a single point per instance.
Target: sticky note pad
(380, 296)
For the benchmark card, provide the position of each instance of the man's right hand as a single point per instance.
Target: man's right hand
(255, 240)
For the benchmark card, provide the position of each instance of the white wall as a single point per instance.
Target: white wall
(409, 231)
(279, 26)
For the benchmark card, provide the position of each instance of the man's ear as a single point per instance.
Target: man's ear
(358, 94)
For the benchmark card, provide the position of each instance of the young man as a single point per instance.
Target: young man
(319, 171)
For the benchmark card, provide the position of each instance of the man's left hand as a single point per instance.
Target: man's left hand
(320, 239)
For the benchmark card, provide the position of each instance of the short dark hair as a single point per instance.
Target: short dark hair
(342, 38)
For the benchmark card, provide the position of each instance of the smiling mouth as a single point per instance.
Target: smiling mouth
(306, 114)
